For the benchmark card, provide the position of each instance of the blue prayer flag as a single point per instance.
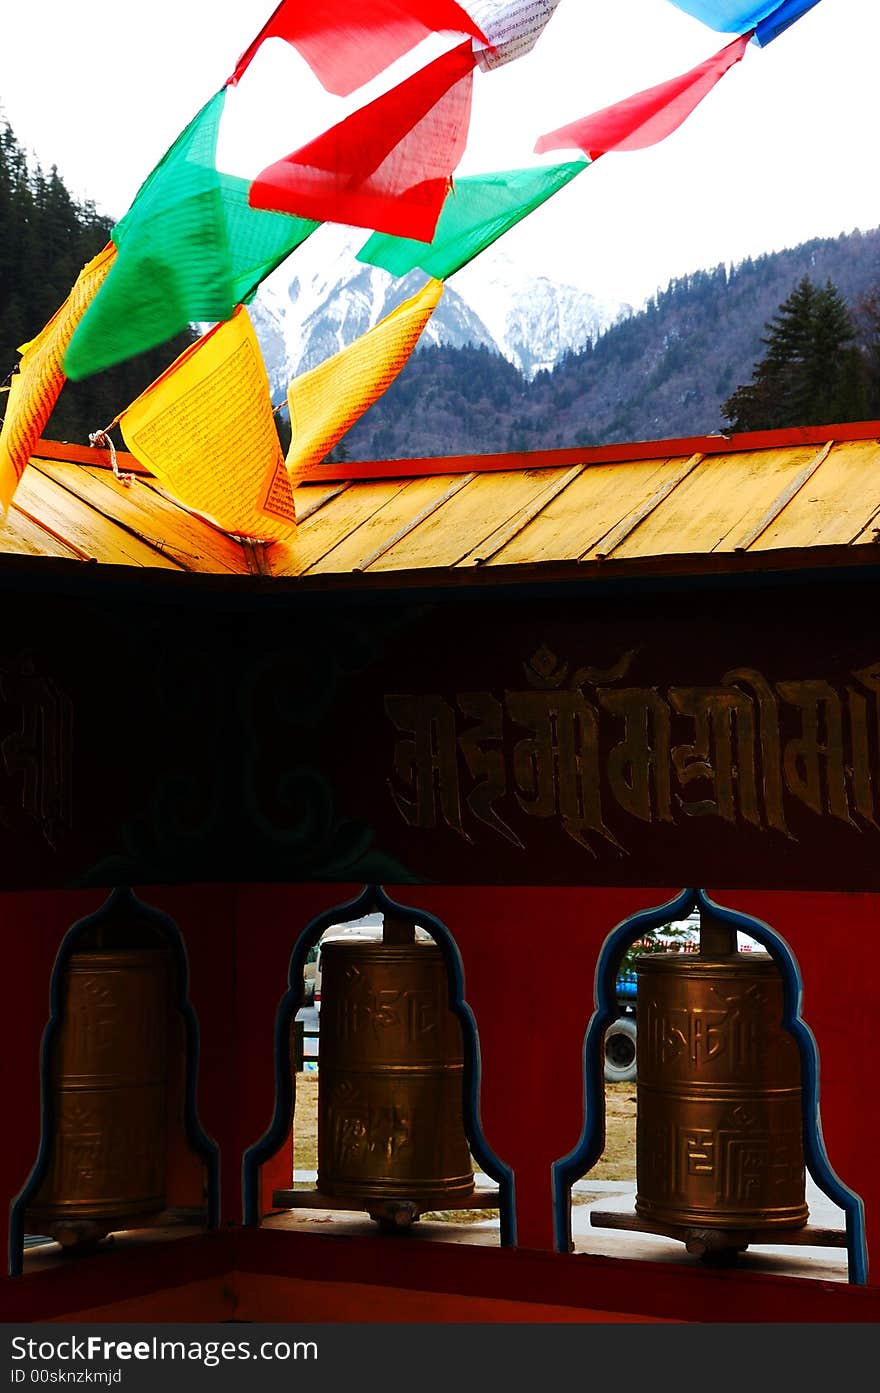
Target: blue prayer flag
(768, 18)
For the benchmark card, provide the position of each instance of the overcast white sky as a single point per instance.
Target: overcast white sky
(782, 150)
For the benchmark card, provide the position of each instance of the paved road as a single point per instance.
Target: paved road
(309, 1017)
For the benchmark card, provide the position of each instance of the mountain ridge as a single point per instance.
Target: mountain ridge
(659, 373)
(324, 298)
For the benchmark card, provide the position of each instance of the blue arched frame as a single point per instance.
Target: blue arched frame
(589, 1147)
(373, 899)
(119, 900)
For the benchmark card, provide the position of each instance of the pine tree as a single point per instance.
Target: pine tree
(867, 317)
(812, 372)
(46, 238)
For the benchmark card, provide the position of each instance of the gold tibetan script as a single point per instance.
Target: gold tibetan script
(40, 751)
(580, 747)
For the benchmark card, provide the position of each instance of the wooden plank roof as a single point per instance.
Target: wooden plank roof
(701, 497)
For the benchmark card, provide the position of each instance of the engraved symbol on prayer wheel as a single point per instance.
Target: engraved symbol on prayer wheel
(108, 1080)
(390, 1071)
(719, 1130)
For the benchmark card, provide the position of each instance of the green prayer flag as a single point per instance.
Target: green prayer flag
(190, 248)
(478, 209)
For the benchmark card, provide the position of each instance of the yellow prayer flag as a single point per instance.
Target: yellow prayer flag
(205, 429)
(326, 401)
(36, 386)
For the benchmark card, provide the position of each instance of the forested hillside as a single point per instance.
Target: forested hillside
(663, 372)
(45, 240)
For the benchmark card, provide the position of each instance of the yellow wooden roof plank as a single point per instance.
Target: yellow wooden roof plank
(82, 527)
(871, 531)
(793, 486)
(720, 501)
(462, 523)
(359, 545)
(836, 505)
(309, 499)
(325, 529)
(607, 545)
(792, 496)
(398, 552)
(192, 542)
(585, 511)
(21, 535)
(549, 483)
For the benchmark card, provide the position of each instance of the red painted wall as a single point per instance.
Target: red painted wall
(529, 957)
(834, 939)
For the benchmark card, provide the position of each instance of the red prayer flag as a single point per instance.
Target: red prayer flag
(649, 116)
(387, 166)
(347, 45)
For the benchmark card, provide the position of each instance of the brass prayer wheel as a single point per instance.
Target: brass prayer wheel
(108, 1080)
(719, 1127)
(390, 1071)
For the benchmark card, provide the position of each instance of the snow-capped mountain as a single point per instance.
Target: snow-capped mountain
(322, 298)
(533, 320)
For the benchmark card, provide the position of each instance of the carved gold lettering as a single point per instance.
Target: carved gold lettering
(572, 746)
(639, 763)
(534, 760)
(715, 711)
(427, 764)
(557, 769)
(860, 769)
(869, 677)
(421, 1013)
(41, 750)
(694, 1034)
(699, 1152)
(709, 1034)
(804, 757)
(768, 737)
(483, 750)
